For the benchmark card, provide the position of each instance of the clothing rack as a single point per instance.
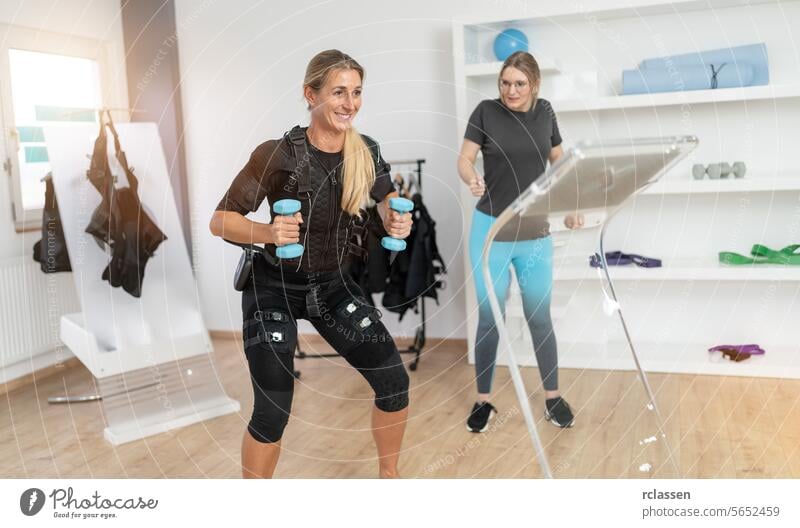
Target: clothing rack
(419, 336)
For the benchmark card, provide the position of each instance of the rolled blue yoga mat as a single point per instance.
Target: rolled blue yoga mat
(686, 77)
(753, 54)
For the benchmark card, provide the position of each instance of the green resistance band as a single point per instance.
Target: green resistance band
(759, 254)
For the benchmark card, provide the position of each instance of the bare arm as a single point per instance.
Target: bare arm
(236, 228)
(572, 221)
(466, 167)
(555, 154)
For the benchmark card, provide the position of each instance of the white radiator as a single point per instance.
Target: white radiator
(31, 305)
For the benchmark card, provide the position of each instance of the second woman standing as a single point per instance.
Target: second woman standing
(517, 135)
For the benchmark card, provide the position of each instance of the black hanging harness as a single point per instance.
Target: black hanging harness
(120, 222)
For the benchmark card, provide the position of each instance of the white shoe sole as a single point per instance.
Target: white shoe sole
(485, 427)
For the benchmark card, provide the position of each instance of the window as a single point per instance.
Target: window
(45, 79)
(46, 89)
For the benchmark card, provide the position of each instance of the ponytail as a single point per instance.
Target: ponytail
(358, 172)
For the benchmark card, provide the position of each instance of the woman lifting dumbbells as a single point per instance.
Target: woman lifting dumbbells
(330, 169)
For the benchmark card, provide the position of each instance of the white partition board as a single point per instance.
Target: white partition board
(165, 323)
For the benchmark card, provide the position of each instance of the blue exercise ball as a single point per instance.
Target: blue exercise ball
(508, 42)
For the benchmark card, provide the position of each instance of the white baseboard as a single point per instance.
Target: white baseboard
(9, 373)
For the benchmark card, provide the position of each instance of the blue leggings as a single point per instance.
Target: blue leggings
(533, 264)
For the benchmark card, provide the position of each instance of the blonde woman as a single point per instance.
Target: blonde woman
(518, 135)
(331, 169)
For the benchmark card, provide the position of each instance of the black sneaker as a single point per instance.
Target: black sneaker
(482, 413)
(558, 412)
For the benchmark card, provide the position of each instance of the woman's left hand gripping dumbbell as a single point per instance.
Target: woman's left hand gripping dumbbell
(397, 224)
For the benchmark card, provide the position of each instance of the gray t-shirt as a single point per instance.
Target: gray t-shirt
(515, 147)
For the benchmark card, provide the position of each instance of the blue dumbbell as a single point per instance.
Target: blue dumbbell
(287, 207)
(401, 205)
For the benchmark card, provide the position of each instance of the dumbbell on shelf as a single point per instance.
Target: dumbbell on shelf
(716, 171)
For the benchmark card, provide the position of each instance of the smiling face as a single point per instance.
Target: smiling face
(336, 103)
(516, 91)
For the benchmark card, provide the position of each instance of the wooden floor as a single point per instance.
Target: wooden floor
(716, 426)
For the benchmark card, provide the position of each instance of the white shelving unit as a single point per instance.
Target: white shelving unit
(693, 97)
(744, 185)
(492, 69)
(692, 303)
(670, 358)
(675, 270)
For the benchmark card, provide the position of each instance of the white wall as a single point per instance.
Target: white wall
(97, 19)
(242, 66)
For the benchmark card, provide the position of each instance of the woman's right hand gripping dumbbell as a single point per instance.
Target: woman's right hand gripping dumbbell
(285, 229)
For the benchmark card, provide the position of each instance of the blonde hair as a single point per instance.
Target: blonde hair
(524, 62)
(359, 167)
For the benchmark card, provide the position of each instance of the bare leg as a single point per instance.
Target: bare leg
(551, 394)
(483, 397)
(388, 429)
(258, 459)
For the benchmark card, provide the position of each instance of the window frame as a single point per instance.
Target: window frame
(27, 39)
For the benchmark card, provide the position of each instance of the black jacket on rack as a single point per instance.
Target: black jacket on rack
(51, 251)
(371, 272)
(426, 262)
(414, 273)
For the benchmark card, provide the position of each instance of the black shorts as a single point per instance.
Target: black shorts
(341, 314)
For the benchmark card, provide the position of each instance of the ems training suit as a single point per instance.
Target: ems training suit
(515, 148)
(313, 286)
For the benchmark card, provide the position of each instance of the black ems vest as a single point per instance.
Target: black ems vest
(327, 233)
